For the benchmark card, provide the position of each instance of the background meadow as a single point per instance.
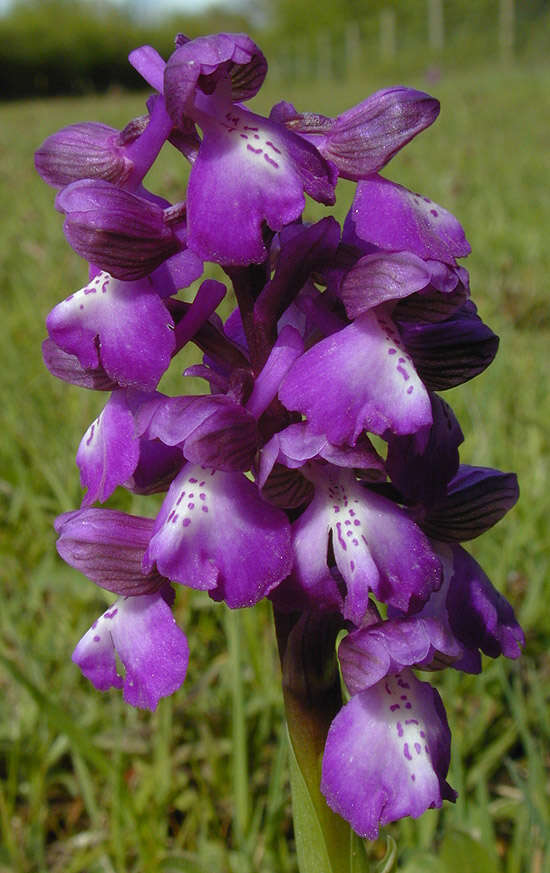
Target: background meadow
(88, 785)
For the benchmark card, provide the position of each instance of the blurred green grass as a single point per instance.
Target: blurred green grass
(90, 786)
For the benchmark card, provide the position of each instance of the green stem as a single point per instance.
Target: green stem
(312, 696)
(241, 787)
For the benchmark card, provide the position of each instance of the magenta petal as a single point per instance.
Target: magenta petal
(261, 173)
(358, 378)
(387, 755)
(376, 546)
(382, 276)
(212, 431)
(369, 654)
(152, 648)
(108, 452)
(476, 499)
(478, 614)
(87, 150)
(364, 138)
(214, 532)
(396, 219)
(120, 232)
(201, 62)
(108, 546)
(134, 329)
(422, 471)
(450, 352)
(67, 367)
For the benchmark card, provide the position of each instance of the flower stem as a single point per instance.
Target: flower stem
(312, 695)
(240, 758)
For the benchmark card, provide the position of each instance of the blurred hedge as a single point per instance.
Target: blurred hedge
(51, 47)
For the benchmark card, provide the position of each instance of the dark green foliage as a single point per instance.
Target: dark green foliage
(77, 46)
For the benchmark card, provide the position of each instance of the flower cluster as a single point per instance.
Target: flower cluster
(272, 486)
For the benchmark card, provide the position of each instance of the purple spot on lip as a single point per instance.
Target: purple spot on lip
(193, 481)
(97, 639)
(256, 151)
(400, 730)
(356, 523)
(340, 537)
(392, 351)
(243, 136)
(434, 212)
(275, 149)
(408, 706)
(417, 748)
(394, 706)
(410, 389)
(186, 522)
(403, 372)
(204, 508)
(190, 506)
(406, 752)
(271, 161)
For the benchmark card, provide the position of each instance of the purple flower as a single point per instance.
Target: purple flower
(359, 378)
(387, 754)
(122, 327)
(364, 138)
(248, 169)
(376, 547)
(214, 532)
(273, 485)
(153, 650)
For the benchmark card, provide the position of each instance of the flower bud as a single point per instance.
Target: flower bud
(123, 234)
(88, 150)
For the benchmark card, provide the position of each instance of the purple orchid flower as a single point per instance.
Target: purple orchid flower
(262, 170)
(401, 769)
(272, 485)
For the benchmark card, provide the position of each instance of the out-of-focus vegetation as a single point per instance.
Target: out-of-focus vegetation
(78, 46)
(52, 47)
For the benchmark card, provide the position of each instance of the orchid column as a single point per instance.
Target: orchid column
(272, 485)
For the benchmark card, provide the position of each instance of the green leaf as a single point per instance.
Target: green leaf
(311, 686)
(389, 862)
(460, 852)
(311, 847)
(423, 862)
